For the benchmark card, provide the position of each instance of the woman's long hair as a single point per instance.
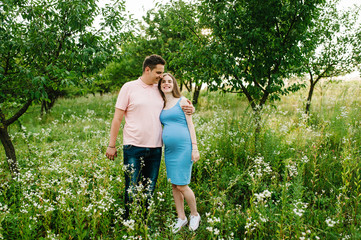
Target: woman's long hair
(176, 91)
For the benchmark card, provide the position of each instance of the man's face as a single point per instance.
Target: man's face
(157, 73)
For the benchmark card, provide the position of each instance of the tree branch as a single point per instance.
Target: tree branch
(294, 20)
(190, 28)
(230, 91)
(311, 75)
(19, 113)
(7, 64)
(246, 71)
(323, 74)
(278, 29)
(244, 90)
(258, 85)
(264, 98)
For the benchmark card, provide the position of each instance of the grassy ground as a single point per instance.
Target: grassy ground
(301, 181)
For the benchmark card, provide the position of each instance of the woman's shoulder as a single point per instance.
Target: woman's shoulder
(184, 101)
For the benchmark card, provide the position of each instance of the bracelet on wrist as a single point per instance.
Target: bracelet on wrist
(111, 147)
(194, 143)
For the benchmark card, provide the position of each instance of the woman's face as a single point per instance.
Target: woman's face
(166, 85)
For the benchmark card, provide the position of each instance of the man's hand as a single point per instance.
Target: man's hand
(111, 153)
(188, 109)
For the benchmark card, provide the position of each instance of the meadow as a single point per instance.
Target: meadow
(300, 181)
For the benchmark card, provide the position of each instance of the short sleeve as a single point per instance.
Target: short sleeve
(123, 98)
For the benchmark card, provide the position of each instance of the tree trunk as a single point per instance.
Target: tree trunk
(53, 95)
(47, 106)
(257, 133)
(9, 150)
(309, 98)
(312, 88)
(188, 85)
(196, 92)
(5, 138)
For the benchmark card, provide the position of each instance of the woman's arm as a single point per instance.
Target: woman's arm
(195, 152)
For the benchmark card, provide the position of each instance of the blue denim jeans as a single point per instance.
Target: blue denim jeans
(141, 166)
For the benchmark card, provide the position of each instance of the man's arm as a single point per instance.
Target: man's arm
(188, 109)
(114, 130)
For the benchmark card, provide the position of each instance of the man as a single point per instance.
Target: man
(140, 103)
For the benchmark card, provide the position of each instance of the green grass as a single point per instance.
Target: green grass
(302, 181)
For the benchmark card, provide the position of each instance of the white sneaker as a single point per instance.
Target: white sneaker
(194, 222)
(179, 224)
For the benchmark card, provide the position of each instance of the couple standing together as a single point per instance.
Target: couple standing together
(146, 104)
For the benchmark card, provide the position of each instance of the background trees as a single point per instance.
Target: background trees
(177, 25)
(173, 31)
(255, 47)
(356, 45)
(46, 45)
(129, 64)
(330, 46)
(247, 47)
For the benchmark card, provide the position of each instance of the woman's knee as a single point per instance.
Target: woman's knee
(181, 188)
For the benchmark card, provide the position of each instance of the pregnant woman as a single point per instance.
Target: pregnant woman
(181, 151)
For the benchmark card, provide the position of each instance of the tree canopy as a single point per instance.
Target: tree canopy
(178, 32)
(256, 45)
(48, 44)
(330, 44)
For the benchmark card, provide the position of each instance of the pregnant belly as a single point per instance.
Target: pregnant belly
(174, 136)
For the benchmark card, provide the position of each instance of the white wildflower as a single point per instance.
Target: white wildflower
(330, 222)
(129, 224)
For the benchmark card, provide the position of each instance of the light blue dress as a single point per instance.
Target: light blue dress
(178, 145)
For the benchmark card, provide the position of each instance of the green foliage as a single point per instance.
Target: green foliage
(328, 50)
(49, 45)
(173, 31)
(127, 67)
(177, 29)
(357, 50)
(254, 45)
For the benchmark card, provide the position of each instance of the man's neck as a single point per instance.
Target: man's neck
(146, 80)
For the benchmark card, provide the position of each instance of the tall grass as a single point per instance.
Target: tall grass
(301, 182)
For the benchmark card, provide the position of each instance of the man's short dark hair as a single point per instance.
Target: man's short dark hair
(152, 61)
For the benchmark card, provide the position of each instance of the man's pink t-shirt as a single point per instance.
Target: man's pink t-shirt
(142, 104)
